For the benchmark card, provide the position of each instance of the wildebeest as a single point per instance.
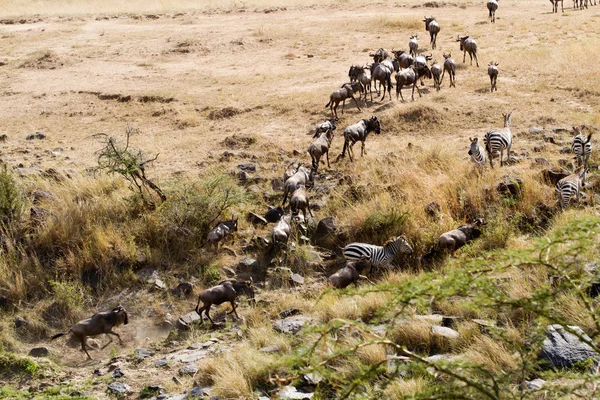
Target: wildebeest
(303, 176)
(468, 45)
(413, 45)
(493, 73)
(555, 5)
(436, 72)
(457, 238)
(227, 290)
(410, 76)
(433, 27)
(450, 67)
(350, 273)
(403, 59)
(341, 95)
(102, 322)
(382, 74)
(492, 6)
(362, 75)
(291, 170)
(281, 231)
(380, 55)
(299, 202)
(359, 132)
(320, 147)
(324, 126)
(221, 231)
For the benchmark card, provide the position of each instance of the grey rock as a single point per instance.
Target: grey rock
(99, 372)
(229, 272)
(117, 373)
(199, 392)
(313, 378)
(535, 384)
(188, 319)
(119, 388)
(248, 265)
(290, 393)
(510, 186)
(20, 322)
(184, 289)
(444, 332)
(269, 349)
(29, 172)
(291, 325)
(297, 279)
(143, 353)
(188, 370)
(190, 357)
(256, 219)
(565, 150)
(542, 161)
(536, 131)
(277, 184)
(159, 284)
(38, 135)
(243, 176)
(564, 349)
(3, 137)
(39, 352)
(40, 195)
(552, 176)
(248, 167)
(172, 397)
(161, 362)
(288, 312)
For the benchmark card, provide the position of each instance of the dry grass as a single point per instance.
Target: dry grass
(405, 388)
(490, 354)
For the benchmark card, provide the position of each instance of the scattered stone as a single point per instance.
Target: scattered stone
(248, 265)
(248, 167)
(565, 150)
(539, 149)
(119, 388)
(537, 131)
(159, 284)
(270, 349)
(444, 332)
(161, 362)
(552, 176)
(535, 384)
(143, 353)
(564, 349)
(289, 312)
(20, 322)
(39, 352)
(40, 195)
(290, 325)
(199, 392)
(99, 372)
(188, 319)
(256, 219)
(542, 162)
(117, 373)
(184, 289)
(290, 393)
(313, 378)
(3, 137)
(510, 186)
(326, 233)
(191, 357)
(433, 209)
(188, 370)
(229, 272)
(277, 184)
(243, 176)
(38, 135)
(296, 279)
(172, 396)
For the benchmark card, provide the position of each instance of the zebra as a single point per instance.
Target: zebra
(359, 132)
(477, 153)
(497, 140)
(581, 146)
(379, 256)
(570, 185)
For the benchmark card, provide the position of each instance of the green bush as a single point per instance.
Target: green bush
(11, 199)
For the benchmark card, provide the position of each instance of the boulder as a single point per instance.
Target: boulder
(290, 325)
(564, 349)
(251, 167)
(552, 176)
(199, 392)
(119, 388)
(188, 319)
(39, 352)
(117, 373)
(256, 219)
(510, 187)
(161, 362)
(184, 289)
(21, 322)
(326, 234)
(248, 266)
(290, 393)
(41, 195)
(537, 131)
(140, 354)
(188, 370)
(535, 384)
(442, 331)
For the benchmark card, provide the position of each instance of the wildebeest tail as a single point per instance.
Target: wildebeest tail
(388, 78)
(490, 12)
(328, 104)
(59, 335)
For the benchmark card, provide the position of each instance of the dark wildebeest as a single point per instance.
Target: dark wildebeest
(320, 147)
(351, 272)
(468, 45)
(303, 176)
(359, 132)
(221, 231)
(410, 76)
(492, 6)
(450, 66)
(555, 6)
(102, 322)
(382, 74)
(457, 238)
(341, 95)
(433, 27)
(225, 291)
(493, 73)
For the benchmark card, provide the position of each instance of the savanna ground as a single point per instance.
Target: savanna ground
(252, 78)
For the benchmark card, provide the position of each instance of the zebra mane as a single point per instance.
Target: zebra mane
(394, 239)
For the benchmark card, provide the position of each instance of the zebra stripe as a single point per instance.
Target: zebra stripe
(497, 140)
(377, 255)
(569, 186)
(477, 154)
(582, 147)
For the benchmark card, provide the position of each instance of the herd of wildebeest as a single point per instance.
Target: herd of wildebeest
(409, 68)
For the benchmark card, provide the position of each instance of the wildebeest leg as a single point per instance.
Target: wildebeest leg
(327, 154)
(464, 56)
(343, 105)
(233, 309)
(362, 149)
(115, 334)
(350, 151)
(206, 311)
(476, 60)
(199, 312)
(109, 342)
(82, 339)
(356, 102)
